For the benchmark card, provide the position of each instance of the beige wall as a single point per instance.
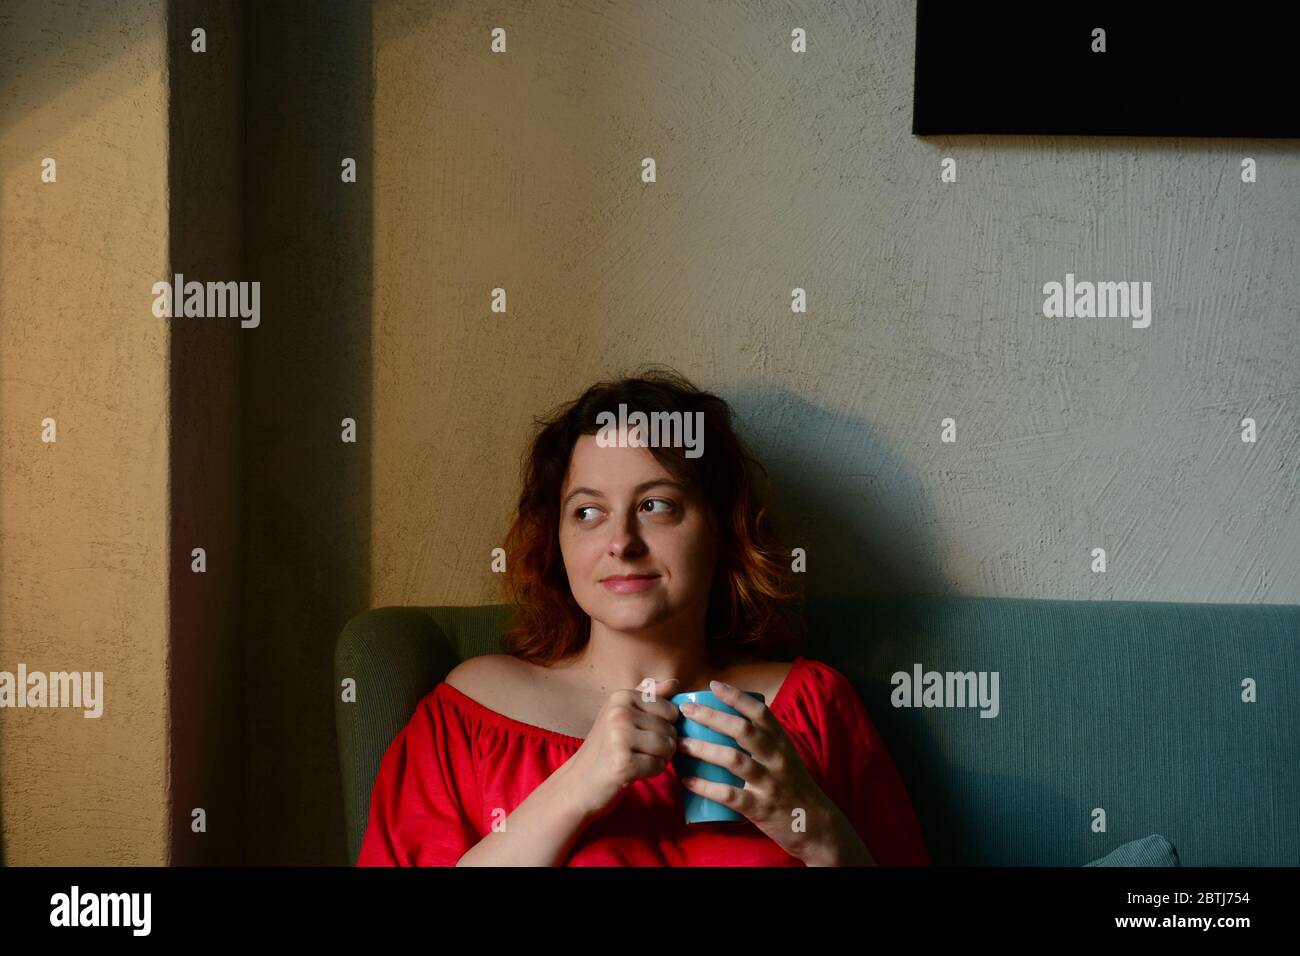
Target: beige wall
(83, 522)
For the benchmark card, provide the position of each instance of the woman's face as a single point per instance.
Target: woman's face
(622, 513)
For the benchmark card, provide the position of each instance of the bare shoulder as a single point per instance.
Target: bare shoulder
(485, 676)
(765, 677)
(526, 692)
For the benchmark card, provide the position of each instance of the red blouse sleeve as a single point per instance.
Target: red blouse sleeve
(856, 772)
(423, 805)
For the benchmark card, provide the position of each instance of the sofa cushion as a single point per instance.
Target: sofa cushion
(1153, 850)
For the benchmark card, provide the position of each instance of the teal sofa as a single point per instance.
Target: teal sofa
(1133, 708)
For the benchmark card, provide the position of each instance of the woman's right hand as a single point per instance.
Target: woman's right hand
(631, 739)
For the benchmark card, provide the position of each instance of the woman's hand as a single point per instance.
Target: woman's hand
(777, 784)
(632, 738)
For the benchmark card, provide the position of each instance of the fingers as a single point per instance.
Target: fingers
(729, 758)
(755, 729)
(654, 742)
(652, 698)
(736, 798)
(738, 728)
(649, 765)
(732, 697)
(649, 716)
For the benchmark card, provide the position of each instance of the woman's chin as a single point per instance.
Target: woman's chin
(632, 619)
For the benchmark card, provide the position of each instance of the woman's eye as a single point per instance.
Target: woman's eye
(665, 507)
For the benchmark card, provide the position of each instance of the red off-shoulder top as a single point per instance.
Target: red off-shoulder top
(457, 761)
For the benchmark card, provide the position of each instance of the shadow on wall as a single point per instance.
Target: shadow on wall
(39, 35)
(851, 502)
(866, 523)
(306, 493)
(205, 699)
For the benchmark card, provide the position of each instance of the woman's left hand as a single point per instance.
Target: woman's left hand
(778, 790)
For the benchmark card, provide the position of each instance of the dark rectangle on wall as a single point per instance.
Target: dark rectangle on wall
(1168, 69)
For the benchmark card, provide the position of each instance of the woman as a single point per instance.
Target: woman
(640, 572)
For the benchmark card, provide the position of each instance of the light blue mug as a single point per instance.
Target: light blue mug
(701, 809)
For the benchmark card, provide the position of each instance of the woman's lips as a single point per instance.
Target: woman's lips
(627, 584)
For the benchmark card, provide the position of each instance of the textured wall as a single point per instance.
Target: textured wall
(777, 170)
(83, 521)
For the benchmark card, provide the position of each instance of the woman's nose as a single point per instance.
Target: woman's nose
(627, 538)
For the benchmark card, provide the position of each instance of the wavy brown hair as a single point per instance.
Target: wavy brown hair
(754, 595)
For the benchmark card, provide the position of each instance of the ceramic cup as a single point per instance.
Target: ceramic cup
(701, 809)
